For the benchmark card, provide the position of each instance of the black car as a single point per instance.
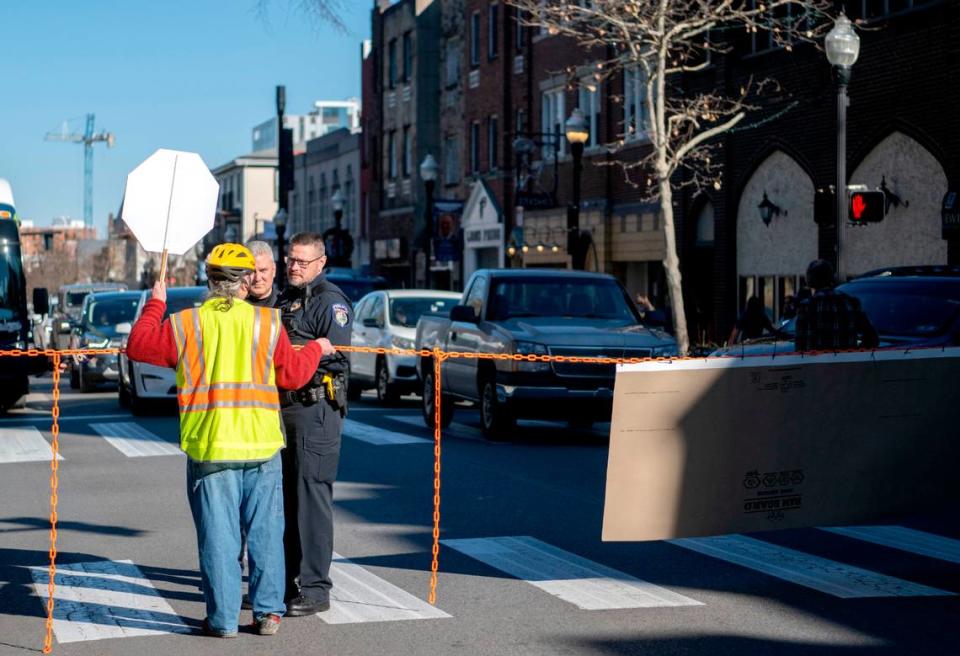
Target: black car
(909, 307)
(105, 318)
(355, 284)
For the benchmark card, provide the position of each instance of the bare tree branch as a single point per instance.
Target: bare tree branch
(663, 41)
(318, 12)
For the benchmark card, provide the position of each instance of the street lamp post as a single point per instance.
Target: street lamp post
(428, 172)
(843, 47)
(280, 225)
(338, 241)
(577, 131)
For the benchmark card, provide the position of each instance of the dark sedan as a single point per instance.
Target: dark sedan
(908, 306)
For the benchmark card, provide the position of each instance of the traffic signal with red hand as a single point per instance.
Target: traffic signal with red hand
(866, 207)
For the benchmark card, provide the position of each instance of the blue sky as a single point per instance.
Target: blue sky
(185, 74)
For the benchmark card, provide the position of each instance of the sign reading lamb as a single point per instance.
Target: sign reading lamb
(170, 202)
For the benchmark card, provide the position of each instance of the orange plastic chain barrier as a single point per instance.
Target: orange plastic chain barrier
(57, 357)
(437, 358)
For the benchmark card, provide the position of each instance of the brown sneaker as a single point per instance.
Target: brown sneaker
(267, 625)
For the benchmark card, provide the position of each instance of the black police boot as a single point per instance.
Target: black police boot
(301, 605)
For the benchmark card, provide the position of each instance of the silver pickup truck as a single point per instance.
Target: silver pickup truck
(534, 311)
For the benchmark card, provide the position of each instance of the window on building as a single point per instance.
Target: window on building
(542, 30)
(588, 101)
(48, 241)
(475, 148)
(492, 139)
(321, 201)
(520, 31)
(475, 39)
(407, 152)
(636, 119)
(451, 160)
(311, 200)
(493, 31)
(407, 56)
(552, 117)
(392, 63)
(452, 63)
(520, 122)
(870, 9)
(392, 154)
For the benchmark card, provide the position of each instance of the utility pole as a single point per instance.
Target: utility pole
(285, 182)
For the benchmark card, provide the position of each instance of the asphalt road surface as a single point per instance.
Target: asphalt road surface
(523, 570)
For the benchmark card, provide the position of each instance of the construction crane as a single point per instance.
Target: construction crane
(87, 138)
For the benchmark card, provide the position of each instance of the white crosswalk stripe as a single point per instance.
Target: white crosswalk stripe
(24, 444)
(135, 441)
(581, 582)
(105, 599)
(379, 436)
(361, 596)
(828, 576)
(904, 539)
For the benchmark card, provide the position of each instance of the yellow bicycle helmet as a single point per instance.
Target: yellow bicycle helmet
(229, 262)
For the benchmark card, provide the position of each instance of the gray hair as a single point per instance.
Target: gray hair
(225, 290)
(258, 247)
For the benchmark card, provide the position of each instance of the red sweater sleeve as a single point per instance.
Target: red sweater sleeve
(295, 368)
(151, 338)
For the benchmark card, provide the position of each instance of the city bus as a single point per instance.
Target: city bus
(15, 325)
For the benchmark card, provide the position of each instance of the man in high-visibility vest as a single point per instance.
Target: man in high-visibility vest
(230, 357)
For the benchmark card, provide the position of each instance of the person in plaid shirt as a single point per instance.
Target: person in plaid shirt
(831, 320)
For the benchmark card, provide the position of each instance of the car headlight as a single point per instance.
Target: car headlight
(669, 351)
(530, 348)
(402, 342)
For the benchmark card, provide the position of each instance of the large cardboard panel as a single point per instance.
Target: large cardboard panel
(729, 445)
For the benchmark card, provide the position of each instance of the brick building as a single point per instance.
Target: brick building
(513, 89)
(901, 137)
(403, 128)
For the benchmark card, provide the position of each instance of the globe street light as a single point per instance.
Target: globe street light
(843, 47)
(577, 131)
(428, 173)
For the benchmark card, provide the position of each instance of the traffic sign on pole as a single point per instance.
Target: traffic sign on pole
(170, 203)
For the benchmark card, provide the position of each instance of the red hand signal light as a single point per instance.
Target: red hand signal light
(867, 207)
(858, 206)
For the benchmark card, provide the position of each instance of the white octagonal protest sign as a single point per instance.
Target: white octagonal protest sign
(170, 201)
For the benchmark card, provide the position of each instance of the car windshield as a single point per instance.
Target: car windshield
(76, 298)
(908, 308)
(584, 298)
(110, 312)
(407, 311)
(11, 283)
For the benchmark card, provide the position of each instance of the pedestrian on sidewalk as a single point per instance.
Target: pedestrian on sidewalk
(313, 415)
(230, 357)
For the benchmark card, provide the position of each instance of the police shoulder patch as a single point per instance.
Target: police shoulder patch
(341, 314)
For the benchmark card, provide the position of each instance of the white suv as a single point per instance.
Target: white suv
(140, 383)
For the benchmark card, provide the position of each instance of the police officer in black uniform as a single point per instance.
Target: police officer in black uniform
(312, 307)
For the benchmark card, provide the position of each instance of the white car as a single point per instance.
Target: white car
(388, 319)
(140, 383)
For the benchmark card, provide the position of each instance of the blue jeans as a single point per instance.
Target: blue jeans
(225, 497)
